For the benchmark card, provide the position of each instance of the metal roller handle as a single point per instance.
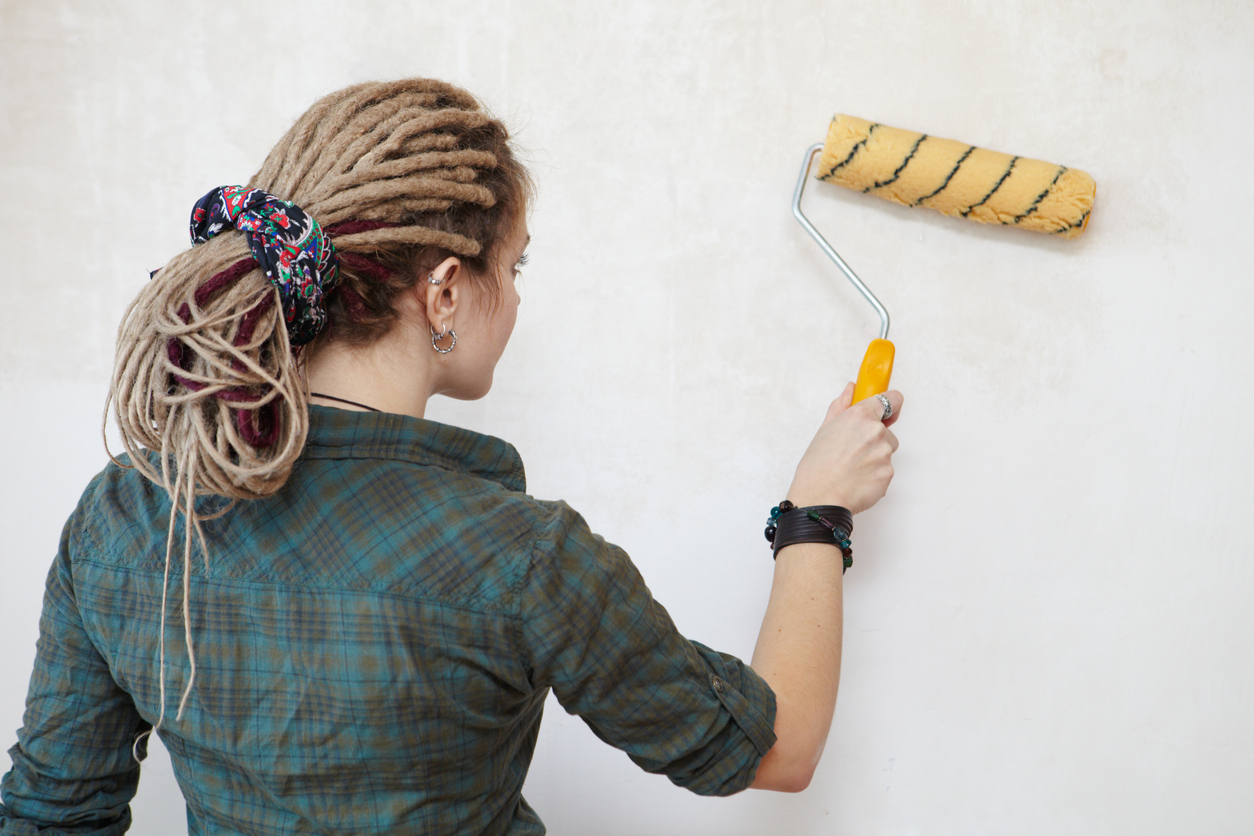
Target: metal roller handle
(826, 247)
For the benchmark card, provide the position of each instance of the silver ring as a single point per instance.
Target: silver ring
(888, 408)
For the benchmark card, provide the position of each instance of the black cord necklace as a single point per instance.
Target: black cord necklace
(342, 400)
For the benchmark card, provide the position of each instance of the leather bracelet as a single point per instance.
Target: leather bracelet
(815, 524)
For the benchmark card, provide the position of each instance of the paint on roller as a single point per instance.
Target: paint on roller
(956, 178)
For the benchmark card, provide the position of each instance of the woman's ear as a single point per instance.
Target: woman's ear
(444, 291)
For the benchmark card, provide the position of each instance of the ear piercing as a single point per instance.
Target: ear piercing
(435, 339)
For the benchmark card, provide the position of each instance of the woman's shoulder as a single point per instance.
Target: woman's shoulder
(118, 503)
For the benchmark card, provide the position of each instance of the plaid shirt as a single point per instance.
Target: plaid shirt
(374, 646)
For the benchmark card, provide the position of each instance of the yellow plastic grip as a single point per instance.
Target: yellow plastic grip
(876, 371)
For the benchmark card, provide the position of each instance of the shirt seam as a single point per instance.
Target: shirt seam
(516, 589)
(333, 589)
(404, 454)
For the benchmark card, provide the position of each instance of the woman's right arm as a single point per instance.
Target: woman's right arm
(849, 463)
(73, 768)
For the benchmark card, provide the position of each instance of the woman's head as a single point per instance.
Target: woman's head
(402, 176)
(419, 159)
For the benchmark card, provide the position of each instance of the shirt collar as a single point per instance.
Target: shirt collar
(343, 434)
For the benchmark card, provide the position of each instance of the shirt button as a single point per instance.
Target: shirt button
(718, 684)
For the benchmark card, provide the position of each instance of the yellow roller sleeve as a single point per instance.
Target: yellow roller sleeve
(955, 178)
(876, 371)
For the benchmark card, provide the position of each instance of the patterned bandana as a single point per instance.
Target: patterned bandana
(289, 245)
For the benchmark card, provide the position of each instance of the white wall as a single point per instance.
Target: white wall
(1049, 621)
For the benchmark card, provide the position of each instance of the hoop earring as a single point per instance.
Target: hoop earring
(435, 339)
(431, 279)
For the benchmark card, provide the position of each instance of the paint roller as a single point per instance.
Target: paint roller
(953, 178)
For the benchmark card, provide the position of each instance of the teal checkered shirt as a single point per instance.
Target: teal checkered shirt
(374, 646)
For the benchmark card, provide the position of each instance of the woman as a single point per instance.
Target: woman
(341, 617)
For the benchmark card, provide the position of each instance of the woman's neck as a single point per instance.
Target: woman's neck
(387, 375)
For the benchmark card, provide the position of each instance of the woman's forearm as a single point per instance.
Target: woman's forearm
(798, 654)
(849, 464)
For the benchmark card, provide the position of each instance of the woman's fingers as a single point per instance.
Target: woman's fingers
(876, 406)
(896, 399)
(849, 462)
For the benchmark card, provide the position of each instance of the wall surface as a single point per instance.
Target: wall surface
(1049, 623)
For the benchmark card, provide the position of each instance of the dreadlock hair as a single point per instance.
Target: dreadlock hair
(207, 390)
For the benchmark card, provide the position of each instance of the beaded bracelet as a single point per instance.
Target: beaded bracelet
(789, 524)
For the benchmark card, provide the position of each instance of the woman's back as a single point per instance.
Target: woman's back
(376, 641)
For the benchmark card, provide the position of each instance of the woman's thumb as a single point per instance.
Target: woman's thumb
(840, 404)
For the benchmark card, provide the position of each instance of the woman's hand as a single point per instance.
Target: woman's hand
(849, 462)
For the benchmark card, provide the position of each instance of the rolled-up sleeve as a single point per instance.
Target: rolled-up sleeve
(592, 631)
(73, 771)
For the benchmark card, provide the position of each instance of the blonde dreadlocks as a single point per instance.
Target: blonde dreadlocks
(207, 388)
